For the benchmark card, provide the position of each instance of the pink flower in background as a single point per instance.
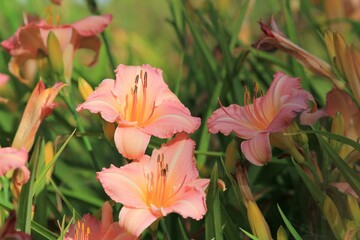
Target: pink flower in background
(267, 114)
(29, 44)
(12, 158)
(90, 228)
(4, 78)
(141, 103)
(40, 105)
(158, 185)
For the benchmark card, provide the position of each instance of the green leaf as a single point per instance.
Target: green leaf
(42, 175)
(182, 230)
(316, 193)
(249, 234)
(43, 231)
(213, 224)
(23, 222)
(288, 225)
(238, 23)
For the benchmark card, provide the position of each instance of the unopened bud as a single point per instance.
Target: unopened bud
(49, 155)
(281, 234)
(257, 222)
(230, 157)
(337, 127)
(333, 217)
(84, 88)
(55, 53)
(354, 209)
(301, 139)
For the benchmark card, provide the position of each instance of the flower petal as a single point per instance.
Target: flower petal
(257, 149)
(169, 118)
(125, 184)
(92, 25)
(135, 220)
(12, 158)
(232, 118)
(103, 101)
(190, 202)
(131, 142)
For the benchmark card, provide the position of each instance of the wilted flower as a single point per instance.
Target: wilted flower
(40, 105)
(274, 37)
(29, 45)
(269, 114)
(141, 103)
(89, 228)
(158, 185)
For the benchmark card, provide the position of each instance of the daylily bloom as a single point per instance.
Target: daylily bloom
(12, 158)
(141, 103)
(89, 228)
(158, 185)
(267, 116)
(39, 106)
(29, 45)
(274, 37)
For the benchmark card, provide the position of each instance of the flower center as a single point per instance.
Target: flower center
(82, 232)
(156, 183)
(136, 107)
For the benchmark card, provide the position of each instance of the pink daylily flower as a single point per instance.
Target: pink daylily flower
(254, 122)
(29, 43)
(4, 78)
(40, 105)
(90, 228)
(158, 185)
(141, 103)
(12, 158)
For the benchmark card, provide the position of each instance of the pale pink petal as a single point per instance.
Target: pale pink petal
(190, 203)
(126, 184)
(308, 118)
(178, 155)
(135, 220)
(12, 158)
(92, 43)
(63, 35)
(345, 188)
(232, 118)
(103, 101)
(257, 149)
(92, 25)
(156, 89)
(131, 142)
(4, 78)
(169, 118)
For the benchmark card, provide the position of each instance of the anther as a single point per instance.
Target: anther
(136, 79)
(145, 80)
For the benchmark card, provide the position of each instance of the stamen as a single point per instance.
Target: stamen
(136, 79)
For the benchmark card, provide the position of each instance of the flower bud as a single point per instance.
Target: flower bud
(84, 88)
(281, 234)
(230, 157)
(259, 226)
(337, 127)
(333, 217)
(301, 139)
(55, 53)
(354, 209)
(49, 155)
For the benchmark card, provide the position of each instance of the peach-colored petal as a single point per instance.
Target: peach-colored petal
(12, 158)
(39, 106)
(190, 203)
(345, 188)
(106, 215)
(257, 149)
(169, 118)
(135, 220)
(92, 25)
(115, 232)
(131, 142)
(87, 226)
(308, 118)
(126, 184)
(232, 118)
(103, 101)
